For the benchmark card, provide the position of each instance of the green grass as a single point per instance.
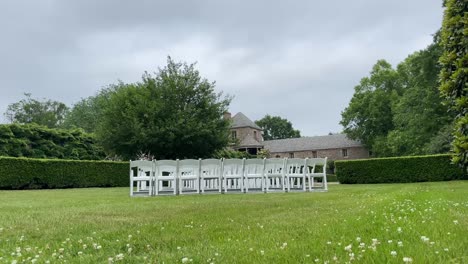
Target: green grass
(57, 225)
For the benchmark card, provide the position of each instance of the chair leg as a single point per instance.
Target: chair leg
(180, 185)
(150, 191)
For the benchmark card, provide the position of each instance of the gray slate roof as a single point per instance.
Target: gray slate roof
(310, 143)
(249, 141)
(240, 120)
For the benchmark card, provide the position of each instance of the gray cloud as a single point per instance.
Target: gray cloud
(298, 59)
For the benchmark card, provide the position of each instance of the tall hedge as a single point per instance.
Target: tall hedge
(454, 73)
(35, 141)
(24, 173)
(398, 170)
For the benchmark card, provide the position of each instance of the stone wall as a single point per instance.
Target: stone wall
(332, 154)
(243, 132)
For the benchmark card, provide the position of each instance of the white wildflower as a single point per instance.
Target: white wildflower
(348, 247)
(407, 259)
(119, 256)
(185, 260)
(393, 253)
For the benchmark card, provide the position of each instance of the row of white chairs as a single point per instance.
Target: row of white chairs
(226, 175)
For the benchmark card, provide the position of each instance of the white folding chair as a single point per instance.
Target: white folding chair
(253, 174)
(210, 175)
(233, 170)
(274, 174)
(166, 176)
(189, 176)
(312, 172)
(141, 173)
(296, 174)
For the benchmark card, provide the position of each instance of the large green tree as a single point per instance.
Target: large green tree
(174, 113)
(29, 110)
(420, 118)
(454, 73)
(86, 113)
(369, 116)
(275, 127)
(400, 112)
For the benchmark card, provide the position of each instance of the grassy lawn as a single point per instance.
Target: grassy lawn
(427, 222)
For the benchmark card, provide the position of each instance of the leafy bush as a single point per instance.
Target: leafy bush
(35, 141)
(24, 173)
(401, 169)
(232, 154)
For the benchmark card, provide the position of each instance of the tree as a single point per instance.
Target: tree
(419, 114)
(400, 112)
(454, 73)
(369, 115)
(29, 110)
(275, 127)
(86, 114)
(174, 113)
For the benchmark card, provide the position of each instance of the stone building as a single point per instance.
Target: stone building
(335, 147)
(248, 137)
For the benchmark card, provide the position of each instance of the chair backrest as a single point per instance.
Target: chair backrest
(210, 167)
(189, 167)
(166, 167)
(142, 167)
(233, 166)
(254, 166)
(295, 166)
(312, 163)
(274, 166)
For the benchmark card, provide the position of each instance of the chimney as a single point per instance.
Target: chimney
(227, 115)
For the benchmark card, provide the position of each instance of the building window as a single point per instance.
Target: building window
(344, 152)
(291, 155)
(255, 135)
(277, 156)
(233, 134)
(314, 154)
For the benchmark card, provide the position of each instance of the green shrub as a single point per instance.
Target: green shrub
(398, 170)
(24, 173)
(232, 154)
(35, 141)
(331, 178)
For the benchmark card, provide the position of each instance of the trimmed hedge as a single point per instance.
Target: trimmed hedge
(25, 173)
(398, 170)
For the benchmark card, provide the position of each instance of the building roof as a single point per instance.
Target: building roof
(240, 120)
(310, 143)
(249, 141)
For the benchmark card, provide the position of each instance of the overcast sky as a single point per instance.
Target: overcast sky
(296, 59)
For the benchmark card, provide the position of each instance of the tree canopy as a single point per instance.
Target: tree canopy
(454, 73)
(86, 113)
(174, 113)
(29, 110)
(275, 127)
(399, 111)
